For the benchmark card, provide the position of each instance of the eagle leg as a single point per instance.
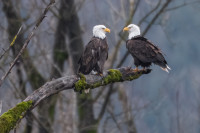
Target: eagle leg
(136, 69)
(100, 74)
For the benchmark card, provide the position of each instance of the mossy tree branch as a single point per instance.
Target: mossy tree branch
(9, 119)
(79, 83)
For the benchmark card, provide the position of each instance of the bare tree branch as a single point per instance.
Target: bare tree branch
(149, 13)
(27, 41)
(103, 108)
(113, 116)
(64, 83)
(127, 111)
(11, 44)
(84, 82)
(182, 5)
(156, 16)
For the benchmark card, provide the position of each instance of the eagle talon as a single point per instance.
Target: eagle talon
(100, 74)
(144, 69)
(136, 69)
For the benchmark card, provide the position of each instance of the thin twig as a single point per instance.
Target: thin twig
(27, 41)
(11, 44)
(149, 13)
(113, 116)
(4, 52)
(156, 16)
(182, 5)
(103, 108)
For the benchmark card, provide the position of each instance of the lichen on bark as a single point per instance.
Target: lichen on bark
(9, 119)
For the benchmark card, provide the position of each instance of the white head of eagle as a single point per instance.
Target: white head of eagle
(100, 31)
(133, 30)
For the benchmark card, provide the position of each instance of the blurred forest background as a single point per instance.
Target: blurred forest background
(154, 103)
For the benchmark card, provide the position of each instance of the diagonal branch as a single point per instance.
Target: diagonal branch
(64, 83)
(149, 13)
(156, 16)
(11, 44)
(182, 5)
(27, 41)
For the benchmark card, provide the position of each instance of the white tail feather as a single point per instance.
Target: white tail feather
(165, 69)
(168, 67)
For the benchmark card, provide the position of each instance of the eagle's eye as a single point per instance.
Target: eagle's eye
(103, 28)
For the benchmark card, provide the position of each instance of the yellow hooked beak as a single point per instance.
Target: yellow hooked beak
(107, 30)
(126, 29)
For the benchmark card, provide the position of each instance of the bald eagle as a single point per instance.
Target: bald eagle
(95, 53)
(143, 51)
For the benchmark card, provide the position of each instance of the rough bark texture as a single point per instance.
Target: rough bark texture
(79, 83)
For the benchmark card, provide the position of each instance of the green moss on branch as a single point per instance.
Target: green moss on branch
(113, 75)
(9, 119)
(81, 84)
(132, 77)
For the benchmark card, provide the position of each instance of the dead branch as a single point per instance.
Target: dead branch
(27, 40)
(150, 12)
(78, 83)
(157, 15)
(11, 44)
(83, 82)
(182, 5)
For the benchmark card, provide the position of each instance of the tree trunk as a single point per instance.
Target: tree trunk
(85, 105)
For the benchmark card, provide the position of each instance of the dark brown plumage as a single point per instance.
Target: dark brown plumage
(145, 53)
(94, 56)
